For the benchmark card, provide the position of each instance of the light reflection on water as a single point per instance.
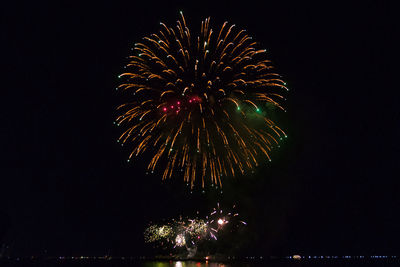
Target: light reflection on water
(189, 264)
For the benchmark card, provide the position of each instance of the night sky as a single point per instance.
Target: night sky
(66, 186)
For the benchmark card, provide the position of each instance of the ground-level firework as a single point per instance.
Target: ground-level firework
(189, 233)
(200, 104)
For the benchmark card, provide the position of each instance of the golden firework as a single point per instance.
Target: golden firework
(200, 104)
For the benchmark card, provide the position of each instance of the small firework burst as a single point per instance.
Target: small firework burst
(180, 240)
(197, 227)
(155, 233)
(187, 232)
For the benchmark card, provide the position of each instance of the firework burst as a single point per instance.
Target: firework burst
(187, 232)
(200, 104)
(157, 233)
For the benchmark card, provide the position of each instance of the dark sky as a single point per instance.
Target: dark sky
(65, 184)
